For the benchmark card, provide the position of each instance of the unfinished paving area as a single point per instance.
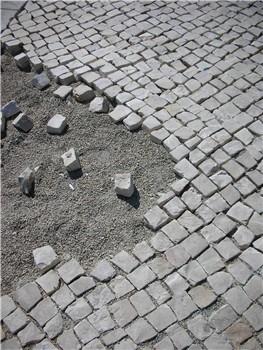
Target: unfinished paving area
(191, 75)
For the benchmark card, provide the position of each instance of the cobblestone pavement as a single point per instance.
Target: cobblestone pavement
(191, 75)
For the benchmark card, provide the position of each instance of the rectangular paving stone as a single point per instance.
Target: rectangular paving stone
(125, 261)
(85, 331)
(7, 306)
(174, 231)
(210, 261)
(158, 292)
(102, 320)
(193, 272)
(254, 317)
(179, 336)
(174, 207)
(63, 297)
(156, 218)
(78, 310)
(143, 251)
(82, 285)
(190, 221)
(202, 296)
(194, 244)
(68, 340)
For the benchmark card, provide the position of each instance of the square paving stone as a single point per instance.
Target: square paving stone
(175, 207)
(164, 344)
(161, 267)
(44, 311)
(7, 306)
(199, 327)
(121, 286)
(174, 231)
(141, 331)
(158, 292)
(125, 261)
(230, 194)
(143, 251)
(142, 303)
(179, 337)
(202, 296)
(28, 296)
(78, 310)
(212, 233)
(125, 344)
(68, 341)
(101, 320)
(205, 213)
(239, 271)
(255, 224)
(223, 318)
(194, 244)
(220, 282)
(82, 285)
(177, 255)
(252, 257)
(217, 342)
(186, 170)
(210, 261)
(16, 321)
(11, 344)
(49, 282)
(70, 271)
(63, 297)
(141, 277)
(160, 242)
(193, 272)
(217, 203)
(238, 299)
(254, 315)
(190, 221)
(103, 271)
(100, 296)
(156, 218)
(113, 337)
(30, 335)
(254, 287)
(182, 305)
(224, 223)
(123, 312)
(54, 327)
(176, 283)
(227, 249)
(238, 333)
(85, 331)
(243, 237)
(204, 185)
(240, 212)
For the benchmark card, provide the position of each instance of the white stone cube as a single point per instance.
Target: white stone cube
(71, 160)
(123, 185)
(56, 124)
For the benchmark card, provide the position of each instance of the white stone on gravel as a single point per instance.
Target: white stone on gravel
(41, 81)
(63, 91)
(99, 105)
(23, 122)
(56, 125)
(123, 185)
(71, 160)
(45, 258)
(27, 181)
(83, 93)
(10, 109)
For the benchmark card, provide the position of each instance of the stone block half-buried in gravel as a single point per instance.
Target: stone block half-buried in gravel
(41, 81)
(99, 105)
(71, 160)
(27, 181)
(83, 93)
(45, 258)
(123, 185)
(56, 125)
(10, 109)
(23, 122)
